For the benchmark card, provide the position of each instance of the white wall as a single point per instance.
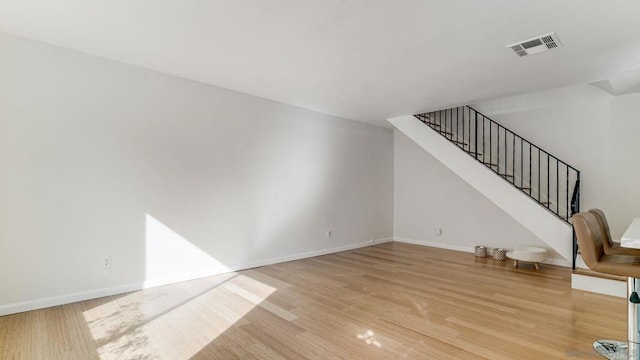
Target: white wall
(623, 177)
(428, 195)
(169, 178)
(592, 130)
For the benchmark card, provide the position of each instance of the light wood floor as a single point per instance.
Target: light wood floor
(388, 301)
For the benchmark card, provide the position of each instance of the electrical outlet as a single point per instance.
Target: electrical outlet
(438, 231)
(107, 262)
(329, 234)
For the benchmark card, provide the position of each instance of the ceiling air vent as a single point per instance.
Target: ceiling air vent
(536, 45)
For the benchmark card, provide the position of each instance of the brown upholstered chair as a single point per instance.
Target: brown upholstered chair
(591, 237)
(611, 247)
(591, 234)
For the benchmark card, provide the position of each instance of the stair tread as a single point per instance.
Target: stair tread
(588, 272)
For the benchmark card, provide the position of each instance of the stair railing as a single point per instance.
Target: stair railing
(575, 208)
(537, 173)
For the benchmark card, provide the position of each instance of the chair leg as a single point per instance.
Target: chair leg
(632, 320)
(537, 266)
(515, 263)
(616, 350)
(612, 350)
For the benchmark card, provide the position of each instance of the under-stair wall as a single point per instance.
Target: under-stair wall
(550, 229)
(429, 196)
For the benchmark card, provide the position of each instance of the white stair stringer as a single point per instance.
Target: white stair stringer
(556, 233)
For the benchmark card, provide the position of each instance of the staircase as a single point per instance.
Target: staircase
(537, 189)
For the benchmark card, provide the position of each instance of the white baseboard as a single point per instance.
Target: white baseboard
(67, 298)
(558, 262)
(97, 293)
(470, 249)
(382, 241)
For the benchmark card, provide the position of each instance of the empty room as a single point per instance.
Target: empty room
(337, 179)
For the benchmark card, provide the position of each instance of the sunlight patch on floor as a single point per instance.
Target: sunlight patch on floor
(158, 324)
(369, 338)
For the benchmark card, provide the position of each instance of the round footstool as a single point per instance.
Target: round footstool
(528, 254)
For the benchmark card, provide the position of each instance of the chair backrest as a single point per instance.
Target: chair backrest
(602, 220)
(589, 235)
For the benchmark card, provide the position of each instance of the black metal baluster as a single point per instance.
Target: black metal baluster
(468, 145)
(484, 120)
(454, 132)
(513, 158)
(444, 129)
(451, 133)
(476, 133)
(521, 164)
(447, 128)
(498, 151)
(461, 144)
(451, 124)
(469, 117)
(460, 135)
(506, 154)
(557, 186)
(530, 175)
(447, 115)
(470, 130)
(458, 129)
(578, 185)
(490, 146)
(538, 174)
(567, 203)
(548, 186)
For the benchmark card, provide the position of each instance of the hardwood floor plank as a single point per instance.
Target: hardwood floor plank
(387, 301)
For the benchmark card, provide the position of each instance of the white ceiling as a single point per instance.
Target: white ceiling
(362, 59)
(627, 82)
